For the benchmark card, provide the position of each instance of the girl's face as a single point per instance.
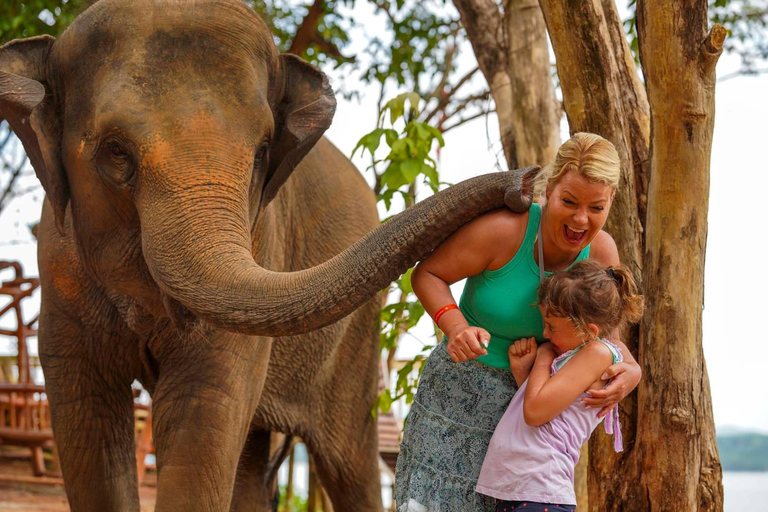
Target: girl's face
(563, 334)
(576, 211)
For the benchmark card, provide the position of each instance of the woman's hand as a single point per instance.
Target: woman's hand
(522, 354)
(467, 343)
(625, 377)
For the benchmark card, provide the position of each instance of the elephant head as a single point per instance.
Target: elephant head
(166, 128)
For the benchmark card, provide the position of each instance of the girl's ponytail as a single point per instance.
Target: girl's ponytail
(631, 301)
(588, 293)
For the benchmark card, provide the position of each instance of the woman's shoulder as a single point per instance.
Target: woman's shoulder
(603, 250)
(503, 232)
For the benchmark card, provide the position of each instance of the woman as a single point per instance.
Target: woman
(504, 255)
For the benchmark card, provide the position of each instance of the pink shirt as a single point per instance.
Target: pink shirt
(526, 463)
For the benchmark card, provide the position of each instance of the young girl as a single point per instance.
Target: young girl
(533, 452)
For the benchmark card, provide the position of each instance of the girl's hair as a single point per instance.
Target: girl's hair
(587, 293)
(590, 155)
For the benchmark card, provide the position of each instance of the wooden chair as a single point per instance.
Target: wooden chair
(25, 421)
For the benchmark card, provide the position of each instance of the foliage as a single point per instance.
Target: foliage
(407, 161)
(285, 17)
(746, 22)
(35, 17)
(409, 155)
(296, 504)
(743, 452)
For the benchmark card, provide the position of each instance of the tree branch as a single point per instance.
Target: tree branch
(306, 33)
(6, 139)
(9, 188)
(446, 97)
(462, 104)
(468, 119)
(464, 80)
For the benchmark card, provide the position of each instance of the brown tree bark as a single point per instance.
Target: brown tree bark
(485, 30)
(670, 460)
(511, 50)
(535, 113)
(602, 94)
(677, 465)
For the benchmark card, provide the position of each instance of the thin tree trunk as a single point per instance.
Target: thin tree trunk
(483, 22)
(535, 114)
(677, 438)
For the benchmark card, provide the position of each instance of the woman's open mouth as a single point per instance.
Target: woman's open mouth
(572, 235)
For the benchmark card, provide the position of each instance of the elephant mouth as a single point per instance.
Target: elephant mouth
(182, 317)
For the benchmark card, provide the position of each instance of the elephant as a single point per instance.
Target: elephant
(200, 235)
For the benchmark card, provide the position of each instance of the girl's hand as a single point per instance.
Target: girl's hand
(522, 354)
(468, 343)
(625, 377)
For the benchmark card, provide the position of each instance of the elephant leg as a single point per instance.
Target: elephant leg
(92, 417)
(256, 484)
(347, 465)
(202, 410)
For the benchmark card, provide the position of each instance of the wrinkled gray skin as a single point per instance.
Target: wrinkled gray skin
(179, 247)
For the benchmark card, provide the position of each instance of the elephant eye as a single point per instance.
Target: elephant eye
(260, 152)
(115, 161)
(117, 151)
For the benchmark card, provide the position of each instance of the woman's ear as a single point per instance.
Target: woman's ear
(593, 330)
(302, 116)
(26, 103)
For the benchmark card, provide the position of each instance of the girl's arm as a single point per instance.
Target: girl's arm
(522, 355)
(546, 397)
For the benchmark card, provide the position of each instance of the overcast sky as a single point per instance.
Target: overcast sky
(735, 342)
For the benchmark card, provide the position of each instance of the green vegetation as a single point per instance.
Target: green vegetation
(743, 452)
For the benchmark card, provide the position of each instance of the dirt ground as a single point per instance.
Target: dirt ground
(37, 497)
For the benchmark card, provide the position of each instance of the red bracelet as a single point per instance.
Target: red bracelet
(442, 310)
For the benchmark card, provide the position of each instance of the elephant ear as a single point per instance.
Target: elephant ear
(28, 108)
(304, 113)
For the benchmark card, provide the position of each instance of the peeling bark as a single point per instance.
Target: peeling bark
(511, 51)
(677, 438)
(602, 94)
(483, 23)
(535, 114)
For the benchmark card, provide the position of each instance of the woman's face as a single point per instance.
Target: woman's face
(576, 211)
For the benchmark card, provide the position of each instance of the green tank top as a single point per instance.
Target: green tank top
(503, 301)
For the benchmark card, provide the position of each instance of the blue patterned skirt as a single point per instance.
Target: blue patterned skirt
(455, 411)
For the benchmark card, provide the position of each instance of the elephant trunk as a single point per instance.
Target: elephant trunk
(209, 268)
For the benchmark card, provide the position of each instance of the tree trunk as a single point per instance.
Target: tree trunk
(483, 23)
(511, 50)
(602, 94)
(535, 114)
(677, 438)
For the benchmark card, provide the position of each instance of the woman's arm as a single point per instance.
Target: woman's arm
(546, 397)
(487, 242)
(626, 375)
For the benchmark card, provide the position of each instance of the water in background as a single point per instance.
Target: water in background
(745, 491)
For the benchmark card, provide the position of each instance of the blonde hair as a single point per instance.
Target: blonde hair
(590, 155)
(587, 293)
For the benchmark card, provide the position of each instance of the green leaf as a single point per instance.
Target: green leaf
(396, 106)
(411, 169)
(370, 141)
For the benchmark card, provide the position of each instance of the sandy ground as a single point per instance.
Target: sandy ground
(36, 497)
